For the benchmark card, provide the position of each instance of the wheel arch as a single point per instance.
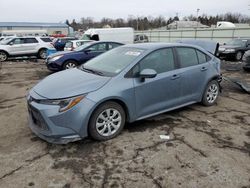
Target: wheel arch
(5, 52)
(215, 77)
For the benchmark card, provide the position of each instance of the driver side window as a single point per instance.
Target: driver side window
(17, 41)
(160, 60)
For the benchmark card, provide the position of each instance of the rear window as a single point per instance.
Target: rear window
(30, 40)
(46, 39)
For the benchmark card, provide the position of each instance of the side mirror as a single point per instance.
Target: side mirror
(11, 43)
(224, 43)
(147, 73)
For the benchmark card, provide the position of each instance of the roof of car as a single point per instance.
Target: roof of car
(155, 45)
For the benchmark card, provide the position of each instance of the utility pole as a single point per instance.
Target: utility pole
(176, 21)
(197, 17)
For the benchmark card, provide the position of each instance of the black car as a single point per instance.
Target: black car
(234, 49)
(59, 43)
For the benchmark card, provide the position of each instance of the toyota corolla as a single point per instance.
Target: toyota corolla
(126, 84)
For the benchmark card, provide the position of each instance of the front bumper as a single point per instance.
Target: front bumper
(60, 127)
(227, 54)
(52, 66)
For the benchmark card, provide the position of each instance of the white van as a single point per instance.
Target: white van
(225, 25)
(123, 34)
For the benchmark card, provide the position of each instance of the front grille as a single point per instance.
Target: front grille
(37, 118)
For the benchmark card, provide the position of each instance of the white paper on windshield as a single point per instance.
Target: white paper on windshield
(133, 53)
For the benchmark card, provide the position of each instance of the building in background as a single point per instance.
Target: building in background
(49, 28)
(183, 25)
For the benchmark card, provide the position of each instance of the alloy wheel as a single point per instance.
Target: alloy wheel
(70, 65)
(108, 122)
(212, 93)
(3, 56)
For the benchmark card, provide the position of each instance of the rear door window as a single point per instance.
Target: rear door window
(201, 57)
(187, 56)
(46, 39)
(30, 40)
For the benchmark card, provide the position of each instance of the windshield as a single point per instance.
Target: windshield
(6, 40)
(114, 61)
(80, 48)
(237, 42)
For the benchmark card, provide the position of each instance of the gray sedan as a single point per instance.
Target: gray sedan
(126, 84)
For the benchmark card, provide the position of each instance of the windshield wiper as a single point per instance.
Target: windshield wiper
(92, 71)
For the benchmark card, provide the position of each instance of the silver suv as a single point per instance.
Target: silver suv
(25, 46)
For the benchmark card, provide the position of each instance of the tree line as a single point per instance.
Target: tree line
(149, 22)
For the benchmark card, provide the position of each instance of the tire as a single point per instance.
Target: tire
(42, 53)
(103, 124)
(211, 93)
(3, 56)
(238, 56)
(69, 64)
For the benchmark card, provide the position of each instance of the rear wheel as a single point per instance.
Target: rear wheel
(3, 56)
(211, 93)
(69, 64)
(238, 55)
(107, 121)
(42, 54)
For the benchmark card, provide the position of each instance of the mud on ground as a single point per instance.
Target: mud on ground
(208, 146)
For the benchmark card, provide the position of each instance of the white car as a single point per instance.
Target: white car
(25, 46)
(71, 45)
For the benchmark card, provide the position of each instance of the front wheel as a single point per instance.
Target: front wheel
(211, 93)
(69, 64)
(107, 121)
(3, 56)
(42, 54)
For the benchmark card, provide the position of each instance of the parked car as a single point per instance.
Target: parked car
(140, 38)
(66, 60)
(59, 43)
(71, 45)
(234, 49)
(126, 84)
(24, 46)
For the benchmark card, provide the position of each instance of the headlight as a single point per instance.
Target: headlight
(65, 104)
(230, 50)
(56, 58)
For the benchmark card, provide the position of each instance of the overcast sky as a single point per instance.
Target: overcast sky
(60, 10)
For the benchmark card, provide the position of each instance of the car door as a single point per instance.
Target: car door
(16, 46)
(157, 94)
(30, 45)
(193, 67)
(93, 51)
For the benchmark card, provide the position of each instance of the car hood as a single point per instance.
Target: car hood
(69, 83)
(229, 46)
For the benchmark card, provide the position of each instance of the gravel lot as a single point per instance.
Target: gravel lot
(208, 146)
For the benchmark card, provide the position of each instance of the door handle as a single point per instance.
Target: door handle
(203, 68)
(175, 76)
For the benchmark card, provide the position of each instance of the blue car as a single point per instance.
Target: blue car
(126, 84)
(66, 60)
